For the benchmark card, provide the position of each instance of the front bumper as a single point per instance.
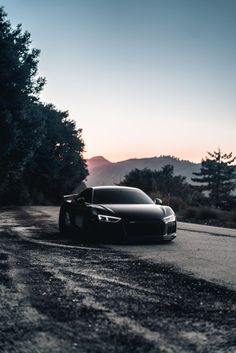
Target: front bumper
(132, 229)
(168, 237)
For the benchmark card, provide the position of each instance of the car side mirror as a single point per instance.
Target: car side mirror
(81, 201)
(157, 201)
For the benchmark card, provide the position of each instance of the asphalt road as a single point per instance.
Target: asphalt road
(202, 251)
(58, 295)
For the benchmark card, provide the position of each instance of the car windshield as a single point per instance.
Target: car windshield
(120, 196)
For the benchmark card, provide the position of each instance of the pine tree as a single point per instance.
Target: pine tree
(217, 177)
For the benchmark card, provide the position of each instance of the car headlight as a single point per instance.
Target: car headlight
(171, 218)
(108, 219)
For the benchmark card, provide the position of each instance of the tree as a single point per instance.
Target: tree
(21, 126)
(217, 177)
(162, 182)
(169, 184)
(140, 178)
(57, 167)
(40, 147)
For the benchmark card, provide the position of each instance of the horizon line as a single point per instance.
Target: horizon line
(132, 158)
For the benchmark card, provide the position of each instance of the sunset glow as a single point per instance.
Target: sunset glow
(141, 78)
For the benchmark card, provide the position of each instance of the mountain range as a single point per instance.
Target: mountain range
(104, 172)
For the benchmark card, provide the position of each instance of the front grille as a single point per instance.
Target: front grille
(141, 228)
(171, 227)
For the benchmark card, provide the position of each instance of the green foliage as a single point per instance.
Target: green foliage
(40, 148)
(217, 177)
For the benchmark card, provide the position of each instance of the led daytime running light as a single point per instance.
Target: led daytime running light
(108, 219)
(170, 218)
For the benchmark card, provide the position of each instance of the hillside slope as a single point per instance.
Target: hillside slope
(104, 172)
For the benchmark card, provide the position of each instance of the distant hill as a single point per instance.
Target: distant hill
(104, 172)
(97, 162)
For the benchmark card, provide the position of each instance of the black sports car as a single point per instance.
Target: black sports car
(116, 212)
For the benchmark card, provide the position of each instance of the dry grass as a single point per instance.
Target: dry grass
(208, 215)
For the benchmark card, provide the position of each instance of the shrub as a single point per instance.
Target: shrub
(189, 213)
(205, 213)
(233, 217)
(177, 203)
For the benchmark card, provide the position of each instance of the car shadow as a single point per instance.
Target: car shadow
(74, 240)
(100, 241)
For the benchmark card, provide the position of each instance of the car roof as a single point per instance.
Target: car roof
(113, 187)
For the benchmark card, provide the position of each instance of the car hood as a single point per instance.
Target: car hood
(139, 212)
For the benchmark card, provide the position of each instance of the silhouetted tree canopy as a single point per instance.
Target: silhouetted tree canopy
(162, 182)
(217, 176)
(57, 167)
(38, 144)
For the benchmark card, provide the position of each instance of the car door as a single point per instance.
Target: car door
(81, 207)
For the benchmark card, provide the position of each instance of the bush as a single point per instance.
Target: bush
(205, 213)
(189, 213)
(201, 213)
(233, 217)
(176, 203)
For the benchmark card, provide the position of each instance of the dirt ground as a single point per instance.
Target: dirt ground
(58, 295)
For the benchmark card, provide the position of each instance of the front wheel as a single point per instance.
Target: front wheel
(65, 226)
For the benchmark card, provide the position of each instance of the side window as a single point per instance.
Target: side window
(87, 194)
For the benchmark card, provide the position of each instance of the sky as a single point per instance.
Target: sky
(142, 78)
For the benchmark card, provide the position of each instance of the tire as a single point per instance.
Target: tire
(86, 232)
(65, 226)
